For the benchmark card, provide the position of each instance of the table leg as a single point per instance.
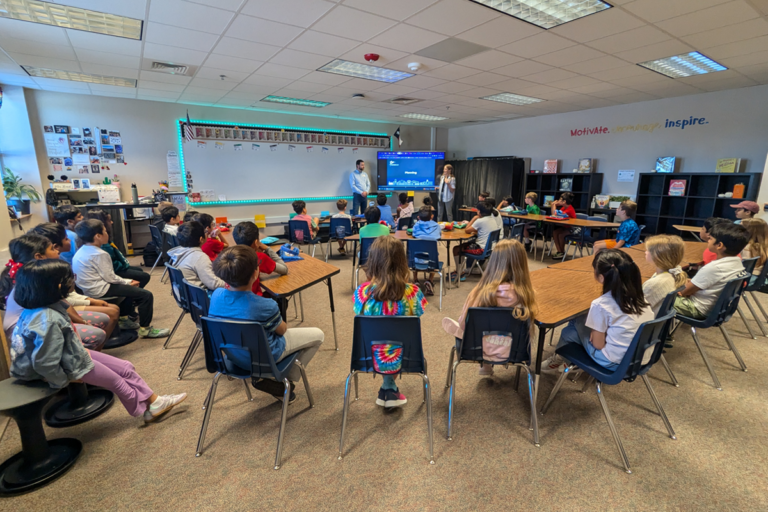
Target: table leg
(282, 304)
(333, 313)
(536, 377)
(354, 263)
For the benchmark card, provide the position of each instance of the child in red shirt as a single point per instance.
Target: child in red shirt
(247, 233)
(565, 205)
(214, 241)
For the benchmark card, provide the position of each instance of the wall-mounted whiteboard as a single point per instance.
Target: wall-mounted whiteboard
(264, 174)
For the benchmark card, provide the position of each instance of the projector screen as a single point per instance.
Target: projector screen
(408, 170)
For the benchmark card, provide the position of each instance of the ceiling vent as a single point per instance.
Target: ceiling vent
(167, 67)
(404, 101)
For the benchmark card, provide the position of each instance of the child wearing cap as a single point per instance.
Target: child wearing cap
(745, 210)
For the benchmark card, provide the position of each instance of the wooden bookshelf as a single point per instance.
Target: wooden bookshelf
(659, 211)
(585, 186)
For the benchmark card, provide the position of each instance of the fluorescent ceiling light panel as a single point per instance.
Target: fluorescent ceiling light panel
(546, 13)
(79, 77)
(357, 70)
(687, 64)
(295, 101)
(71, 17)
(423, 117)
(512, 99)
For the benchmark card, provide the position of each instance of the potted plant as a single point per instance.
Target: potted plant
(14, 190)
(617, 200)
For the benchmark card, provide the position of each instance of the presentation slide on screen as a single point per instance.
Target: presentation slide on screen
(408, 170)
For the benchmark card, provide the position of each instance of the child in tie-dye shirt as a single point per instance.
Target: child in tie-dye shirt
(388, 293)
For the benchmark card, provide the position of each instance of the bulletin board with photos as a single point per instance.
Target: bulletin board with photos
(82, 150)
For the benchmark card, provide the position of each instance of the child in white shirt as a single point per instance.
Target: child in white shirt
(172, 220)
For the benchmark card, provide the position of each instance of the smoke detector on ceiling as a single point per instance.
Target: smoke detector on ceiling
(403, 101)
(414, 66)
(167, 67)
(358, 96)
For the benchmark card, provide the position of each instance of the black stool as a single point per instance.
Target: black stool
(82, 404)
(40, 461)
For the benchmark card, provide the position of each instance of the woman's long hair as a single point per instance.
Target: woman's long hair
(23, 250)
(621, 278)
(758, 239)
(388, 269)
(667, 253)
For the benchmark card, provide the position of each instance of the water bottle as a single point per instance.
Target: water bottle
(135, 194)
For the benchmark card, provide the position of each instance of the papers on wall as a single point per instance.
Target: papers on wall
(174, 169)
(179, 202)
(109, 196)
(628, 176)
(56, 144)
(208, 195)
(80, 159)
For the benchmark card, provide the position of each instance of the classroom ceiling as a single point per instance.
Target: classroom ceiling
(274, 47)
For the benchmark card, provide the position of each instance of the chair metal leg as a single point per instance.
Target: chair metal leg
(765, 315)
(329, 250)
(754, 315)
(207, 416)
(173, 331)
(357, 394)
(424, 399)
(517, 379)
(565, 254)
(706, 359)
(440, 275)
(614, 432)
(248, 391)
(450, 368)
(313, 255)
(557, 387)
(344, 414)
(156, 262)
(301, 307)
(207, 398)
(295, 308)
(162, 278)
(190, 353)
(659, 407)
(428, 389)
(588, 383)
(733, 348)
(744, 319)
(669, 371)
(534, 415)
(286, 397)
(451, 400)
(551, 336)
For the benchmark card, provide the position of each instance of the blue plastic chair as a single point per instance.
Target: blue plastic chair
(589, 238)
(362, 258)
(469, 349)
(170, 242)
(198, 305)
(668, 306)
(179, 293)
(300, 234)
(725, 307)
(429, 249)
(241, 350)
(337, 225)
(753, 286)
(158, 238)
(476, 259)
(648, 344)
(405, 330)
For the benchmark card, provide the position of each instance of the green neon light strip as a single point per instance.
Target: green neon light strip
(282, 200)
(277, 127)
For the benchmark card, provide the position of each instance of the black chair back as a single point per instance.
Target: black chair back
(199, 302)
(340, 228)
(668, 304)
(157, 236)
(365, 247)
(404, 223)
(423, 248)
(178, 288)
(481, 322)
(299, 232)
(400, 330)
(726, 304)
(749, 264)
(760, 281)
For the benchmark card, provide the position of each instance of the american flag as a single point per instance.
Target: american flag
(188, 135)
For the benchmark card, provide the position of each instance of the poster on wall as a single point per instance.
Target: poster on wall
(56, 144)
(626, 176)
(174, 169)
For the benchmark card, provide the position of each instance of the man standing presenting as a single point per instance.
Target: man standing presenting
(361, 185)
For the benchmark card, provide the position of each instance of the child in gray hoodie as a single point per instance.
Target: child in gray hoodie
(190, 258)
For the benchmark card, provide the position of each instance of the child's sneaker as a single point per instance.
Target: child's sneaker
(162, 405)
(391, 398)
(486, 370)
(127, 324)
(342, 250)
(151, 332)
(554, 365)
(429, 288)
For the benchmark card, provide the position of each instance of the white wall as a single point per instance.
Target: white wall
(148, 132)
(736, 125)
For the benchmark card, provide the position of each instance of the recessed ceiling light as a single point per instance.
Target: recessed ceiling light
(512, 99)
(79, 77)
(687, 64)
(344, 67)
(75, 18)
(423, 117)
(295, 101)
(546, 13)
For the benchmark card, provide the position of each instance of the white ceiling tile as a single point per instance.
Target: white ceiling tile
(422, 82)
(625, 71)
(395, 9)
(499, 32)
(17, 29)
(323, 44)
(252, 90)
(354, 24)
(427, 64)
(133, 9)
(539, 44)
(181, 37)
(112, 91)
(161, 86)
(300, 85)
(553, 75)
(280, 71)
(746, 60)
(730, 34)
(526, 67)
(293, 93)
(669, 89)
(479, 92)
(762, 6)
(155, 76)
(655, 51)
(634, 97)
(362, 85)
(396, 90)
(451, 72)
(595, 26)
(299, 59)
(574, 83)
(709, 19)
(262, 31)
(513, 84)
(234, 102)
(294, 12)
(101, 69)
(629, 40)
(489, 60)
(45, 62)
(639, 81)
(267, 81)
(599, 89)
(595, 65)
(483, 79)
(451, 17)
(451, 87)
(172, 54)
(386, 55)
(114, 59)
(426, 94)
(158, 94)
(189, 15)
(738, 48)
(572, 55)
(657, 10)
(245, 49)
(407, 38)
(104, 43)
(212, 73)
(204, 92)
(47, 83)
(229, 5)
(319, 77)
(40, 49)
(215, 60)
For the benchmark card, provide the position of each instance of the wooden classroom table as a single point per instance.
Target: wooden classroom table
(694, 251)
(694, 230)
(301, 275)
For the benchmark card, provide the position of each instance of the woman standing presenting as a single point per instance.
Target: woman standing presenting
(445, 191)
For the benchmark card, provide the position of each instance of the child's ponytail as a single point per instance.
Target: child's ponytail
(621, 278)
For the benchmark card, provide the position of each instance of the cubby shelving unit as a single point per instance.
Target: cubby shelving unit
(585, 186)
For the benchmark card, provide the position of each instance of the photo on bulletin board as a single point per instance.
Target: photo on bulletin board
(118, 149)
(48, 129)
(85, 184)
(95, 169)
(60, 129)
(87, 132)
(76, 184)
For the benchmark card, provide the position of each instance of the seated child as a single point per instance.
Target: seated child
(96, 277)
(68, 216)
(172, 220)
(44, 346)
(426, 229)
(341, 206)
(157, 218)
(119, 262)
(372, 227)
(214, 240)
(506, 283)
(482, 225)
(745, 210)
(491, 204)
(709, 256)
(427, 201)
(190, 215)
(629, 231)
(562, 206)
(613, 319)
(532, 208)
(666, 252)
(483, 196)
(405, 209)
(102, 317)
(190, 258)
(239, 267)
(247, 233)
(757, 246)
(386, 210)
(726, 240)
(388, 293)
(300, 207)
